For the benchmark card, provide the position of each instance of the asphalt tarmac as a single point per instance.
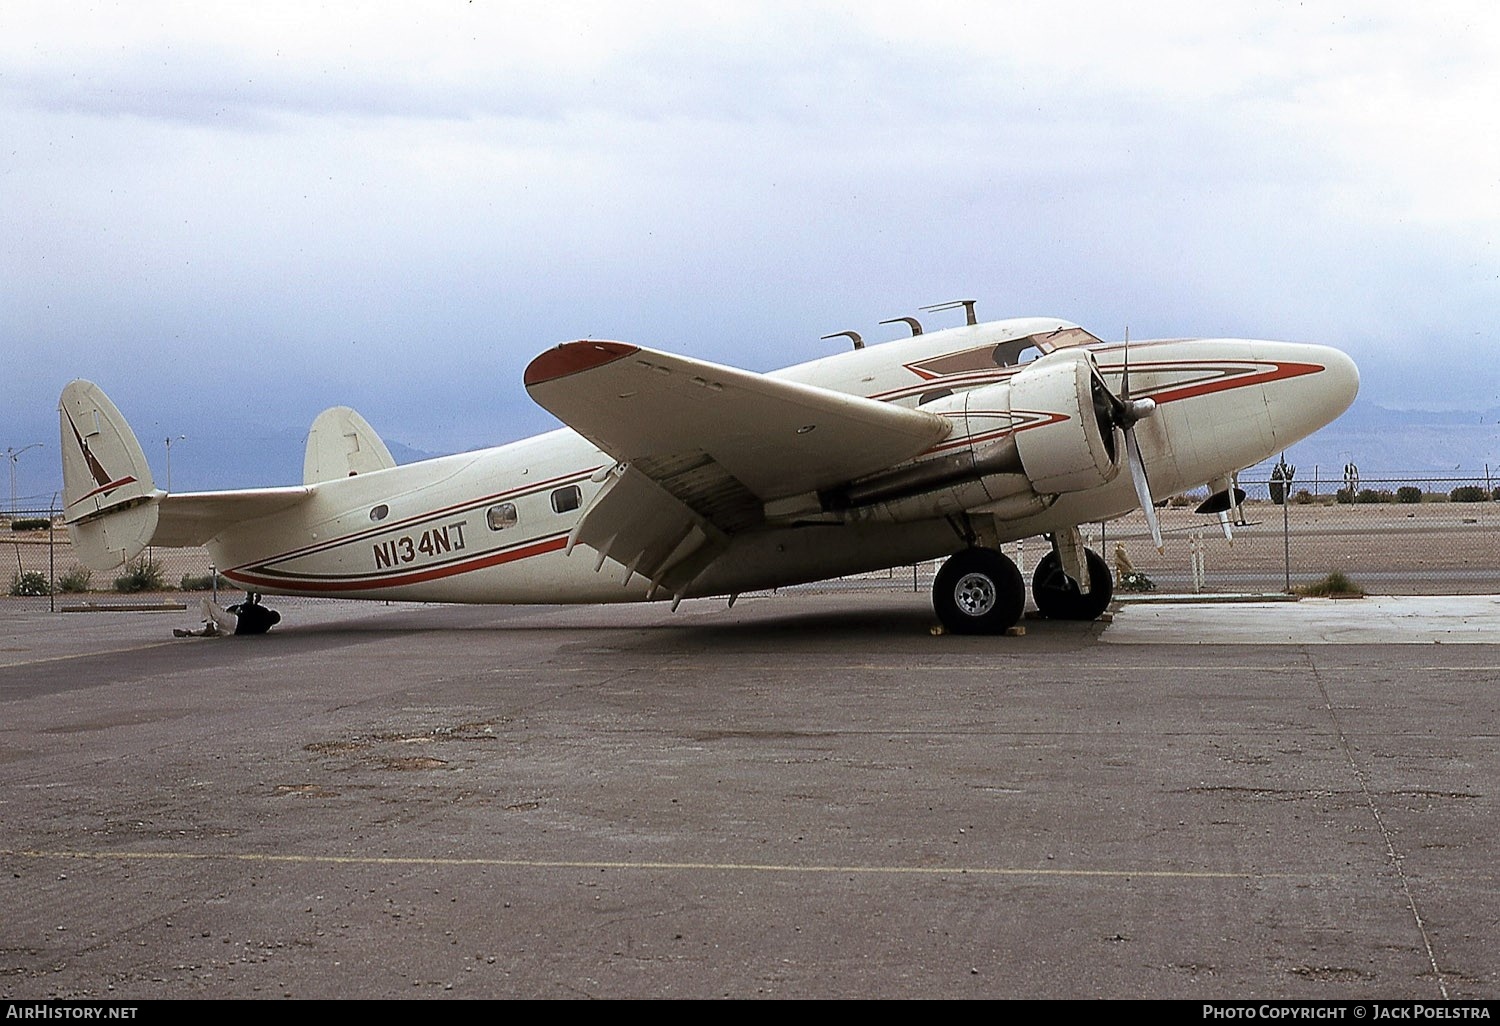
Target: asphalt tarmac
(802, 796)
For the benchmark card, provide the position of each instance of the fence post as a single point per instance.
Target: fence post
(1195, 560)
(52, 559)
(1286, 544)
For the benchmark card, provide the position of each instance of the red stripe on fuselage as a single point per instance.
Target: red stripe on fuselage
(1279, 372)
(398, 580)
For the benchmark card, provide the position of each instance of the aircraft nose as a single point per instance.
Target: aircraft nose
(1320, 383)
(1340, 380)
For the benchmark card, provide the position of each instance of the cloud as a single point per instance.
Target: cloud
(395, 206)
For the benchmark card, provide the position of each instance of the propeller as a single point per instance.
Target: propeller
(1125, 413)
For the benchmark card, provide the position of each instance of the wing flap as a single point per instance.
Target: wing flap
(639, 525)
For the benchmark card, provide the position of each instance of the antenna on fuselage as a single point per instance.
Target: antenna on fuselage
(859, 343)
(911, 322)
(967, 304)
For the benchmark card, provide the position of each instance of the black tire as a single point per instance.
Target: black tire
(1058, 596)
(979, 591)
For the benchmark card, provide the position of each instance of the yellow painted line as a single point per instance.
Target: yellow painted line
(752, 867)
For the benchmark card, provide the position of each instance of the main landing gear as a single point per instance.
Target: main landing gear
(1058, 596)
(980, 591)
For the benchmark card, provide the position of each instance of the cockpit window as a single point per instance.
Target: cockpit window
(1004, 354)
(1062, 338)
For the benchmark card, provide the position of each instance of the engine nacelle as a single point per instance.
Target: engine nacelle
(1049, 429)
(1063, 432)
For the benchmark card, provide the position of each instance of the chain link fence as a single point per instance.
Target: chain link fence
(38, 564)
(1391, 536)
(1394, 536)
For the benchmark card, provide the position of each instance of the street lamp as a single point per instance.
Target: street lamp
(170, 440)
(14, 455)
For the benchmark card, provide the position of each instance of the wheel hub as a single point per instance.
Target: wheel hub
(975, 594)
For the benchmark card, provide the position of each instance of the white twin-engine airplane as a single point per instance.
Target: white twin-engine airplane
(678, 478)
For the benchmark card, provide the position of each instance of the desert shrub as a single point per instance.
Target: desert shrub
(142, 575)
(1368, 495)
(1408, 494)
(1344, 496)
(30, 582)
(1467, 493)
(1336, 583)
(1303, 497)
(75, 580)
(1184, 499)
(1134, 580)
(31, 524)
(191, 582)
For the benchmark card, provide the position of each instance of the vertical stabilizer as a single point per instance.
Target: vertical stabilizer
(109, 498)
(341, 443)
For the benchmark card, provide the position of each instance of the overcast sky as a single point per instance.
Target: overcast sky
(232, 215)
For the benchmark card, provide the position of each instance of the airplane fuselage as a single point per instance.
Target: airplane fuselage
(494, 525)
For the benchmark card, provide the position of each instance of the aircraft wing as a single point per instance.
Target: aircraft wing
(702, 448)
(777, 438)
(192, 518)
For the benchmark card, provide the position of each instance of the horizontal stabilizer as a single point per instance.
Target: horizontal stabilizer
(194, 518)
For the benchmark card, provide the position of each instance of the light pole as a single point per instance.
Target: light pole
(14, 455)
(170, 440)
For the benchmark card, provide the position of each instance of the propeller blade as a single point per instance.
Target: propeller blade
(1142, 486)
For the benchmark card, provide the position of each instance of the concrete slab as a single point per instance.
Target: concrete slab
(1374, 620)
(803, 796)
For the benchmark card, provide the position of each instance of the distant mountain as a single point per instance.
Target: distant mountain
(1387, 443)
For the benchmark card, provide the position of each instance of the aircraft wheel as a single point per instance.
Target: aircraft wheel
(979, 591)
(1058, 596)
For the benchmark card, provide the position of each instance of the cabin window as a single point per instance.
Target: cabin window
(502, 516)
(380, 512)
(934, 395)
(566, 500)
